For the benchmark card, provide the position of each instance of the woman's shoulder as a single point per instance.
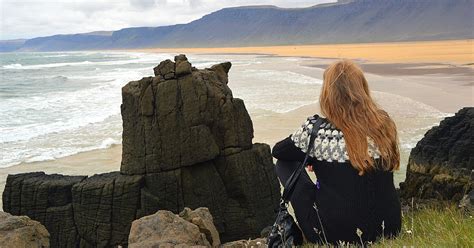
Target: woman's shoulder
(321, 123)
(329, 144)
(323, 128)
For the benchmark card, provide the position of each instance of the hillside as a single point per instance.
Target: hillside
(343, 22)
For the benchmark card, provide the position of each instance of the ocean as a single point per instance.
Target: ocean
(58, 104)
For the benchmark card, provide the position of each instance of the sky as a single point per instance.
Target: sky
(35, 18)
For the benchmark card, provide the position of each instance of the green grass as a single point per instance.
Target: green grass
(431, 227)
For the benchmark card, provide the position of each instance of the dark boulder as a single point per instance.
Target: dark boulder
(12, 193)
(186, 143)
(441, 165)
(47, 199)
(179, 122)
(104, 206)
(193, 142)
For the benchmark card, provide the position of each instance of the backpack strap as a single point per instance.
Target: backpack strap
(291, 182)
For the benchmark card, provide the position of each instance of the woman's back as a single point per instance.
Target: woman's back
(354, 155)
(346, 201)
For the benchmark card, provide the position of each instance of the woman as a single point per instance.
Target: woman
(354, 155)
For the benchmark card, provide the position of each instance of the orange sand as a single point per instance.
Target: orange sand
(449, 51)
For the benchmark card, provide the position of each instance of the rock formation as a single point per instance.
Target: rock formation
(442, 163)
(191, 228)
(22, 232)
(186, 143)
(44, 198)
(202, 218)
(166, 229)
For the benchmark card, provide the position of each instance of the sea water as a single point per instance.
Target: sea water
(58, 104)
(61, 103)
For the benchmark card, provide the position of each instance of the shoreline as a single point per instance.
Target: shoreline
(457, 52)
(422, 82)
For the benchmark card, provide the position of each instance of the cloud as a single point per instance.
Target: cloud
(143, 4)
(34, 18)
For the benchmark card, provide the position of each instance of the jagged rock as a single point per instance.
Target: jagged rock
(12, 193)
(202, 218)
(165, 229)
(194, 119)
(22, 232)
(191, 130)
(47, 199)
(95, 211)
(183, 67)
(252, 193)
(104, 207)
(222, 71)
(241, 188)
(165, 69)
(186, 142)
(441, 165)
(254, 243)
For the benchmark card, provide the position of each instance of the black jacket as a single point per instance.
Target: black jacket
(346, 200)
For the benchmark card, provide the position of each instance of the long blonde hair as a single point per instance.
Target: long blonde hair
(346, 101)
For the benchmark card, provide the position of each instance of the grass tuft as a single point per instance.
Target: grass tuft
(430, 227)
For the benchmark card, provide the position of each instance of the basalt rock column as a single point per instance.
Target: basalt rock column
(192, 140)
(47, 199)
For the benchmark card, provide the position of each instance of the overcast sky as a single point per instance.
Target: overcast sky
(33, 18)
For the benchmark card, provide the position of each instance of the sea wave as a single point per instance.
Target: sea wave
(279, 108)
(80, 109)
(12, 66)
(59, 111)
(41, 66)
(61, 153)
(285, 76)
(53, 153)
(62, 110)
(134, 59)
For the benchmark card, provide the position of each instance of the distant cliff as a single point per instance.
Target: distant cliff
(343, 22)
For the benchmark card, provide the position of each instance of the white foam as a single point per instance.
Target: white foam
(134, 59)
(40, 66)
(63, 143)
(13, 66)
(69, 110)
(59, 55)
(285, 76)
(282, 108)
(65, 121)
(273, 90)
(109, 142)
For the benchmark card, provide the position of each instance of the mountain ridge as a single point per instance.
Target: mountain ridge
(345, 21)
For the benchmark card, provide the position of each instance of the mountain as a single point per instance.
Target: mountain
(11, 45)
(347, 21)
